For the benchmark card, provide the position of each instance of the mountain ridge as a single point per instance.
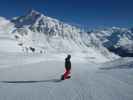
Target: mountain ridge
(117, 40)
(36, 32)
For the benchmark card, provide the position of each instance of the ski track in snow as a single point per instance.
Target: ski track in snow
(40, 81)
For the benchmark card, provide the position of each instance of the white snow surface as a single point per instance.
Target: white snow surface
(9, 45)
(36, 77)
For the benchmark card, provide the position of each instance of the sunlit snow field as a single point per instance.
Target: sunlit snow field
(36, 77)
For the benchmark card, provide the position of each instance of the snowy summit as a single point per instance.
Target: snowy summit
(35, 32)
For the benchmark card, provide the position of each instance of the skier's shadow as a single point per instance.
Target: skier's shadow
(40, 81)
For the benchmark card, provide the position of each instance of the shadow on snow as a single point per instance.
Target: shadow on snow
(40, 81)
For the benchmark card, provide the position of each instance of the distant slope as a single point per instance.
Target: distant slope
(117, 40)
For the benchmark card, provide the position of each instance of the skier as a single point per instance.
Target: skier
(67, 68)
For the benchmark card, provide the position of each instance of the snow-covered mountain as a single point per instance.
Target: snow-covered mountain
(46, 32)
(118, 40)
(39, 33)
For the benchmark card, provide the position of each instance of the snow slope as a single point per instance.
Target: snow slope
(40, 80)
(7, 43)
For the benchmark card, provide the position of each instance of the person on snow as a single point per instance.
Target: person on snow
(67, 68)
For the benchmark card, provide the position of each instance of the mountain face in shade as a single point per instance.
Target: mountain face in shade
(117, 40)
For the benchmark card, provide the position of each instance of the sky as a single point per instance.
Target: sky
(83, 13)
